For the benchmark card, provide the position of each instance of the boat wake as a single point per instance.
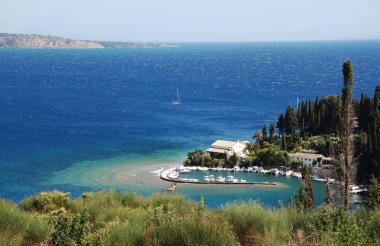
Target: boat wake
(158, 172)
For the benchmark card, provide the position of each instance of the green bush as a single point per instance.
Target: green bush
(46, 201)
(336, 227)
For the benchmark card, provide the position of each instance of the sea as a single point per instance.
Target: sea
(80, 120)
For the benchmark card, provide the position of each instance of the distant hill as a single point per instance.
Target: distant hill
(41, 41)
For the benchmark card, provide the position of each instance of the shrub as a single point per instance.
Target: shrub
(46, 201)
(336, 227)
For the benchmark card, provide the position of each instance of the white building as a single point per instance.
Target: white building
(307, 158)
(222, 147)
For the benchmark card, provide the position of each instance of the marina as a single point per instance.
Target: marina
(172, 175)
(229, 176)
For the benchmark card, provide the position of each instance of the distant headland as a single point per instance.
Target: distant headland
(53, 42)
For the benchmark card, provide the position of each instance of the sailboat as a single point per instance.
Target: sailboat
(178, 100)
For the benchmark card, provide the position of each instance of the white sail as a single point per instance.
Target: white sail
(178, 99)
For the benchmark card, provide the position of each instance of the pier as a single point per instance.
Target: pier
(165, 176)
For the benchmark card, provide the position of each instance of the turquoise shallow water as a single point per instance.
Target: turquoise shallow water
(81, 120)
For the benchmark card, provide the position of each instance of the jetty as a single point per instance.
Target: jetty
(166, 175)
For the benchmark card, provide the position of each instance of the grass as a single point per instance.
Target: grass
(169, 219)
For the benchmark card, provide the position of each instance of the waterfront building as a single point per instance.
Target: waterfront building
(308, 157)
(224, 148)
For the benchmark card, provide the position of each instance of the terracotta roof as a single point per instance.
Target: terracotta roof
(305, 155)
(215, 150)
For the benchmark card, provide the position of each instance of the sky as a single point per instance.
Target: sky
(194, 20)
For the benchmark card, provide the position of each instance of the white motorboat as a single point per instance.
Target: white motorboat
(354, 189)
(297, 174)
(173, 175)
(206, 178)
(274, 171)
(182, 169)
(288, 173)
(220, 179)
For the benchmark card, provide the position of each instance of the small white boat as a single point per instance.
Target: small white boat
(221, 179)
(172, 187)
(320, 180)
(206, 178)
(212, 178)
(354, 189)
(173, 175)
(288, 173)
(230, 179)
(274, 171)
(178, 99)
(182, 169)
(202, 169)
(297, 174)
(243, 181)
(249, 169)
(236, 169)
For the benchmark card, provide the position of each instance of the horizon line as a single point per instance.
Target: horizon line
(216, 41)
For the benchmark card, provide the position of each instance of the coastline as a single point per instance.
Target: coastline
(165, 173)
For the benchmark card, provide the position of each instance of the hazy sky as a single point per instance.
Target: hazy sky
(194, 20)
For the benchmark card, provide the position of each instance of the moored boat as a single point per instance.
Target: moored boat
(297, 174)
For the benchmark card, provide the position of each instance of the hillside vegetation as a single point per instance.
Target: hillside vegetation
(111, 218)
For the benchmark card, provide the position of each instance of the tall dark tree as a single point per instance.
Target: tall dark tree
(346, 129)
(272, 132)
(373, 198)
(291, 121)
(305, 198)
(284, 146)
(259, 137)
(265, 132)
(281, 123)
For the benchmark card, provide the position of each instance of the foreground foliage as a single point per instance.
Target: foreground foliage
(111, 218)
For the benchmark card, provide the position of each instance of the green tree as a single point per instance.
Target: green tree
(272, 132)
(259, 137)
(346, 129)
(281, 123)
(265, 132)
(291, 121)
(373, 198)
(284, 146)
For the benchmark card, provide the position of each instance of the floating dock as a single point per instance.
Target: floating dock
(164, 176)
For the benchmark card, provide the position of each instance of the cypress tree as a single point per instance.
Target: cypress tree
(258, 137)
(271, 132)
(328, 195)
(346, 128)
(373, 198)
(291, 121)
(281, 123)
(265, 133)
(283, 143)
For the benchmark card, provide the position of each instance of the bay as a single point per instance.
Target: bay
(80, 120)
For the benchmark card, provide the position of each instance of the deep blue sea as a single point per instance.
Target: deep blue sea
(86, 119)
